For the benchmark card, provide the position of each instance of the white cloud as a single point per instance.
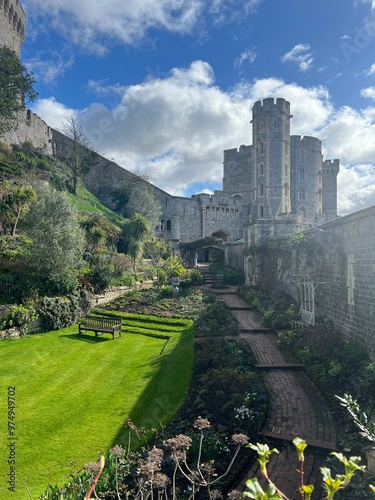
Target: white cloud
(301, 55)
(370, 70)
(356, 187)
(53, 112)
(99, 88)
(47, 66)
(176, 127)
(92, 24)
(225, 11)
(248, 55)
(368, 92)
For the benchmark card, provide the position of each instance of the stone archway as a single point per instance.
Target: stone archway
(222, 234)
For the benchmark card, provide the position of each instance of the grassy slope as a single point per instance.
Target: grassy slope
(74, 394)
(86, 202)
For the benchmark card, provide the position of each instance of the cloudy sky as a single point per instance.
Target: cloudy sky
(164, 86)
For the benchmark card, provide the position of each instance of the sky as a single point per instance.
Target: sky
(162, 87)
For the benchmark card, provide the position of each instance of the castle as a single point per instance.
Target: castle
(277, 186)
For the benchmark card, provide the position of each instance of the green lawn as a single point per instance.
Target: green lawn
(74, 394)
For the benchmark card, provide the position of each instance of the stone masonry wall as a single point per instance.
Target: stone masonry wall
(12, 25)
(340, 259)
(30, 127)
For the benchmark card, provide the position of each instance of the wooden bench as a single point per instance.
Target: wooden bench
(100, 325)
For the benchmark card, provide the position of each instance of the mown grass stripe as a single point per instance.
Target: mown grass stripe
(74, 393)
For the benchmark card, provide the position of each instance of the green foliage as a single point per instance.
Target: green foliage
(16, 201)
(101, 234)
(192, 277)
(19, 316)
(332, 485)
(16, 86)
(59, 312)
(217, 321)
(137, 197)
(57, 240)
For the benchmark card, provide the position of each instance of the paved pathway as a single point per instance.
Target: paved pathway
(296, 407)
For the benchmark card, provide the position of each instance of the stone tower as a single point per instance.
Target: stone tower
(329, 187)
(271, 158)
(306, 175)
(12, 25)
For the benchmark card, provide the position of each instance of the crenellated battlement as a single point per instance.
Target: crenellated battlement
(331, 166)
(306, 141)
(12, 24)
(269, 104)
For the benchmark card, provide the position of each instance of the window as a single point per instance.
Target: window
(162, 225)
(261, 189)
(302, 174)
(302, 194)
(169, 225)
(261, 211)
(286, 169)
(261, 148)
(261, 169)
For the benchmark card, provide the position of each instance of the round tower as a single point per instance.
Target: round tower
(12, 25)
(271, 153)
(306, 175)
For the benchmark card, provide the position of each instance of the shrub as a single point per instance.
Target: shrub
(59, 312)
(19, 316)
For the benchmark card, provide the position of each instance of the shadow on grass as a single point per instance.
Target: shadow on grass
(165, 391)
(86, 338)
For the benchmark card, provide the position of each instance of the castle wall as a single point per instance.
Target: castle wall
(12, 25)
(30, 127)
(340, 258)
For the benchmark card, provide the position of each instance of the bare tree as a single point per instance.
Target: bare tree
(79, 156)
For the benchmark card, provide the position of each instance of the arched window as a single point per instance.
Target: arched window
(320, 195)
(286, 169)
(261, 169)
(261, 189)
(261, 211)
(302, 210)
(302, 194)
(261, 148)
(302, 174)
(169, 225)
(162, 225)
(286, 190)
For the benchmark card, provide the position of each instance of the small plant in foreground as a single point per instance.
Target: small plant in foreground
(332, 485)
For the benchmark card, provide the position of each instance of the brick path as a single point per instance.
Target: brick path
(296, 408)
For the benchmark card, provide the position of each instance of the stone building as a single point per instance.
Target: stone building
(12, 25)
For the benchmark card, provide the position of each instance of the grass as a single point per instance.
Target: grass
(74, 394)
(86, 202)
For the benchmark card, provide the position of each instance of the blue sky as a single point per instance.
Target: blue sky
(164, 86)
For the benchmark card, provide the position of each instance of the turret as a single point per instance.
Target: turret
(12, 25)
(271, 153)
(330, 171)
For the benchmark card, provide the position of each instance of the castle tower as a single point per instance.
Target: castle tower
(237, 173)
(271, 158)
(306, 175)
(329, 187)
(12, 25)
